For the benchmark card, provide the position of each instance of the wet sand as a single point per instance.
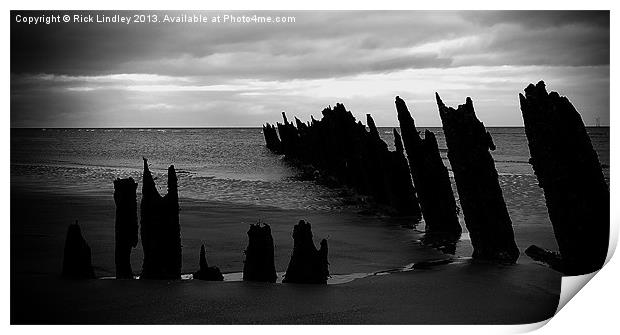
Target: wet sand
(465, 292)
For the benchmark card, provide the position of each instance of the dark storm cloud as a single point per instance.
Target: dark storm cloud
(543, 38)
(329, 36)
(341, 42)
(236, 74)
(540, 18)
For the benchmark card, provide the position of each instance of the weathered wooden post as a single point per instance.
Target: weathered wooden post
(160, 228)
(259, 255)
(272, 140)
(404, 199)
(307, 265)
(206, 272)
(430, 176)
(570, 174)
(76, 263)
(486, 215)
(126, 225)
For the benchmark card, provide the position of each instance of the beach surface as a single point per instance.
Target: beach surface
(463, 292)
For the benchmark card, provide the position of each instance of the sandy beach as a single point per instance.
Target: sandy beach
(463, 292)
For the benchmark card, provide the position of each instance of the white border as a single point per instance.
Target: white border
(594, 309)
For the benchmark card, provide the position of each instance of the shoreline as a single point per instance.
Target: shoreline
(360, 243)
(97, 207)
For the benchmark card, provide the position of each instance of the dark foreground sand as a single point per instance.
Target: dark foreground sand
(455, 294)
(460, 293)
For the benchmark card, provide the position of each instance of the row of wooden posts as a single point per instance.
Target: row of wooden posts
(339, 148)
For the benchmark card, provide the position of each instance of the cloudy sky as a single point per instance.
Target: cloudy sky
(222, 74)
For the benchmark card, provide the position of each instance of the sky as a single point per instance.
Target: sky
(245, 74)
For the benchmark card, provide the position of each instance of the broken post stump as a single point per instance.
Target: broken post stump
(482, 201)
(206, 272)
(259, 255)
(570, 174)
(126, 225)
(76, 263)
(430, 176)
(307, 265)
(160, 229)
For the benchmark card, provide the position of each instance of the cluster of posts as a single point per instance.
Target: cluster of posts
(160, 232)
(339, 148)
(308, 265)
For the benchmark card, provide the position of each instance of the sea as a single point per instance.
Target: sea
(220, 164)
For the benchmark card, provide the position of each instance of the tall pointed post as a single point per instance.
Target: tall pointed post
(405, 200)
(430, 176)
(482, 201)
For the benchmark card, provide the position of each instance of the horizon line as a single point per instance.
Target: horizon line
(258, 127)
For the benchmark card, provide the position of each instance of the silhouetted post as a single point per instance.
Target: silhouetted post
(378, 164)
(486, 215)
(206, 272)
(288, 137)
(430, 176)
(404, 196)
(259, 260)
(126, 225)
(171, 203)
(76, 262)
(271, 138)
(150, 225)
(307, 265)
(568, 170)
(160, 228)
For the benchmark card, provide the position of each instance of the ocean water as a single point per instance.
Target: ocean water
(220, 164)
